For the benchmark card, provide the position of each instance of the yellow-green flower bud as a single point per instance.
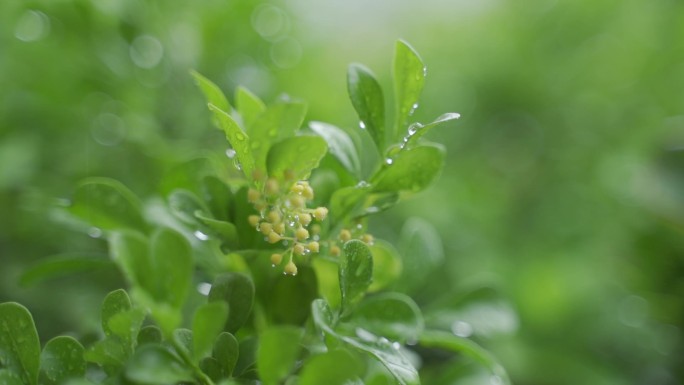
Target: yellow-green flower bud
(305, 219)
(274, 217)
(335, 251)
(276, 258)
(291, 268)
(298, 249)
(271, 187)
(253, 195)
(367, 238)
(320, 213)
(345, 235)
(265, 228)
(274, 237)
(253, 220)
(301, 234)
(313, 247)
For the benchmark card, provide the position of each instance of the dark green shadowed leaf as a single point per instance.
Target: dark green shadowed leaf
(340, 145)
(107, 204)
(387, 265)
(412, 170)
(19, 344)
(211, 91)
(207, 323)
(248, 105)
(218, 197)
(421, 249)
(61, 359)
(154, 365)
(8, 377)
(226, 352)
(356, 272)
(299, 154)
(149, 334)
(237, 138)
(416, 130)
(336, 367)
(278, 350)
(366, 97)
(211, 368)
(225, 231)
(186, 176)
(61, 265)
(185, 204)
(391, 315)
(289, 301)
(172, 260)
(237, 290)
(130, 251)
(409, 78)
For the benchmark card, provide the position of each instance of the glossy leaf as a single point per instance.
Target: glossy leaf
(387, 265)
(356, 272)
(19, 344)
(412, 169)
(349, 202)
(62, 265)
(226, 352)
(237, 138)
(107, 204)
(366, 97)
(248, 105)
(421, 249)
(211, 91)
(115, 302)
(416, 130)
(278, 350)
(449, 341)
(298, 154)
(226, 231)
(340, 145)
(185, 204)
(154, 365)
(278, 122)
(409, 78)
(337, 367)
(207, 323)
(61, 359)
(392, 315)
(183, 342)
(107, 353)
(237, 290)
(126, 326)
(217, 196)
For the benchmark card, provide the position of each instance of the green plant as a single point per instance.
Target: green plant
(211, 256)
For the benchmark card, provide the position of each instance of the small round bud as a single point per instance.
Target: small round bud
(345, 235)
(313, 247)
(297, 201)
(316, 229)
(298, 249)
(367, 238)
(279, 228)
(253, 220)
(253, 195)
(274, 217)
(260, 205)
(305, 219)
(320, 213)
(297, 188)
(335, 251)
(301, 234)
(276, 258)
(271, 187)
(274, 237)
(265, 228)
(291, 268)
(308, 193)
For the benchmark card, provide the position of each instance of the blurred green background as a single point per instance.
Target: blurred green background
(565, 178)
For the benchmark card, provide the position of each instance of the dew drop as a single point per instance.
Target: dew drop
(240, 136)
(362, 125)
(424, 71)
(94, 232)
(200, 235)
(396, 345)
(362, 184)
(230, 153)
(32, 26)
(383, 340)
(495, 380)
(462, 329)
(413, 128)
(389, 161)
(203, 288)
(237, 164)
(413, 109)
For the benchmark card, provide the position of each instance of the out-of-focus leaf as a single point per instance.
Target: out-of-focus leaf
(278, 350)
(290, 298)
(173, 266)
(412, 169)
(154, 365)
(225, 231)
(336, 367)
(211, 91)
(131, 252)
(348, 202)
(126, 326)
(421, 249)
(211, 368)
(366, 97)
(185, 204)
(185, 176)
(237, 290)
(149, 334)
(409, 78)
(207, 323)
(107, 204)
(248, 105)
(184, 342)
(237, 138)
(61, 359)
(107, 353)
(298, 154)
(19, 344)
(61, 265)
(392, 315)
(356, 272)
(218, 197)
(340, 145)
(387, 265)
(8, 377)
(226, 352)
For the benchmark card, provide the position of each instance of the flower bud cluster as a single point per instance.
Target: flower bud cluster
(347, 235)
(284, 217)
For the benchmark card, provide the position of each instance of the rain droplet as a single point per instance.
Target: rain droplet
(362, 125)
(203, 288)
(240, 136)
(389, 161)
(32, 26)
(230, 153)
(495, 380)
(424, 71)
(396, 345)
(413, 128)
(94, 232)
(362, 184)
(237, 164)
(461, 329)
(449, 116)
(413, 109)
(146, 51)
(384, 340)
(372, 210)
(200, 235)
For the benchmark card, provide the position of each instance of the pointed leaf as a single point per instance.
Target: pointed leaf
(211, 91)
(278, 350)
(207, 323)
(107, 204)
(248, 105)
(416, 130)
(226, 352)
(356, 272)
(298, 154)
(366, 97)
(19, 344)
(61, 359)
(154, 365)
(412, 170)
(337, 367)
(237, 139)
(391, 315)
(61, 265)
(279, 121)
(237, 290)
(409, 78)
(173, 266)
(340, 145)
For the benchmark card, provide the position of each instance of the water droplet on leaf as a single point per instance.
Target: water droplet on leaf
(200, 235)
(230, 153)
(362, 125)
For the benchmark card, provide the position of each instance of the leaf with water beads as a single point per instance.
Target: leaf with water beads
(409, 78)
(248, 105)
(366, 97)
(416, 130)
(298, 155)
(62, 359)
(237, 138)
(356, 272)
(412, 170)
(19, 344)
(340, 144)
(211, 91)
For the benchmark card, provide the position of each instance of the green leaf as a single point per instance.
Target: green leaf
(237, 290)
(356, 272)
(279, 121)
(412, 169)
(278, 350)
(61, 359)
(366, 97)
(183, 342)
(387, 265)
(207, 323)
(186, 176)
(340, 145)
(115, 302)
(416, 130)
(237, 138)
(126, 326)
(392, 315)
(218, 197)
(61, 265)
(421, 248)
(409, 78)
(225, 231)
(289, 299)
(185, 204)
(149, 334)
(152, 364)
(246, 363)
(19, 344)
(336, 367)
(211, 368)
(449, 341)
(298, 154)
(226, 352)
(248, 105)
(130, 251)
(107, 353)
(107, 204)
(211, 91)
(8, 377)
(173, 266)
(348, 202)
